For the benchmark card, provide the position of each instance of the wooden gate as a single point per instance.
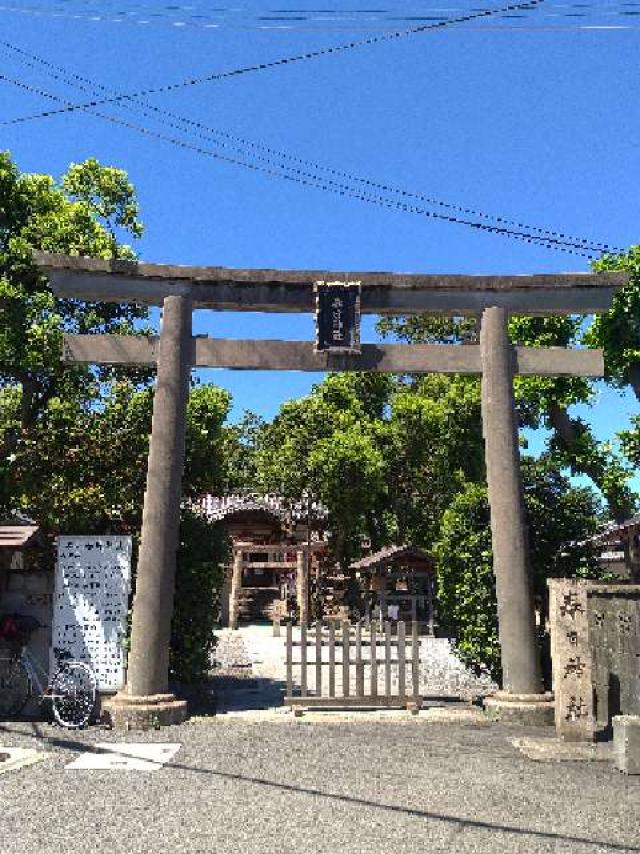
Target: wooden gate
(385, 655)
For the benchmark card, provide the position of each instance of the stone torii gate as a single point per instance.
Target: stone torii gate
(181, 289)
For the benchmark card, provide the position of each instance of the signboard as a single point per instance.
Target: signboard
(93, 578)
(338, 317)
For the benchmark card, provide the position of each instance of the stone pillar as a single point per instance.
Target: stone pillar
(302, 585)
(516, 614)
(430, 607)
(236, 587)
(626, 743)
(631, 539)
(225, 594)
(573, 681)
(145, 701)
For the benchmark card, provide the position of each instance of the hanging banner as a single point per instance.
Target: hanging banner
(338, 317)
(93, 580)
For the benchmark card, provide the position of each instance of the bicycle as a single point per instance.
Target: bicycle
(71, 689)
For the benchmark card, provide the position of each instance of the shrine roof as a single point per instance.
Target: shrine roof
(617, 530)
(18, 536)
(391, 554)
(220, 507)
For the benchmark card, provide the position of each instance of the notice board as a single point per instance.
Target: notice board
(90, 603)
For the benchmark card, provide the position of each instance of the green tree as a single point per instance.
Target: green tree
(240, 453)
(466, 583)
(617, 331)
(385, 456)
(542, 401)
(38, 213)
(327, 443)
(85, 469)
(202, 553)
(560, 518)
(546, 401)
(74, 441)
(432, 443)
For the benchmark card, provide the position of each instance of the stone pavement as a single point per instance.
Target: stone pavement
(267, 783)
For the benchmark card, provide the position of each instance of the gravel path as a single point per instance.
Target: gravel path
(441, 671)
(286, 785)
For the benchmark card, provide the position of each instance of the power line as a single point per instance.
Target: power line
(272, 157)
(183, 16)
(290, 60)
(326, 184)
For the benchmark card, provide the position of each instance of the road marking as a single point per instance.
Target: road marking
(18, 757)
(126, 755)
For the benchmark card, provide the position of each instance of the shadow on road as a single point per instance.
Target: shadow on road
(457, 822)
(236, 693)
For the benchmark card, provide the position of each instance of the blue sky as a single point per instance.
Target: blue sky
(532, 118)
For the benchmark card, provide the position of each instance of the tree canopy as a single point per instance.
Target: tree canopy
(401, 459)
(393, 459)
(74, 441)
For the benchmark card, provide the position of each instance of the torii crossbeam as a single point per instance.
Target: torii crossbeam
(175, 351)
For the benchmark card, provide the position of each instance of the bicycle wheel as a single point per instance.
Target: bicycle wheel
(73, 694)
(15, 686)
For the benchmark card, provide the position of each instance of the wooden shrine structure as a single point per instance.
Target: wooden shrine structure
(401, 577)
(276, 546)
(179, 290)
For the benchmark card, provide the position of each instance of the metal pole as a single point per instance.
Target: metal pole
(516, 614)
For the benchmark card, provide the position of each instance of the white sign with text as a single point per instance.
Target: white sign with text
(93, 580)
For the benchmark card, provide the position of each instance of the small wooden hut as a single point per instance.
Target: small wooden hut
(26, 580)
(618, 549)
(399, 583)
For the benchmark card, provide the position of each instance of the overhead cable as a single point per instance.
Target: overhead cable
(327, 184)
(184, 17)
(290, 60)
(280, 159)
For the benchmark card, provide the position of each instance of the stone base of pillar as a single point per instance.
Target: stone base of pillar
(524, 709)
(141, 713)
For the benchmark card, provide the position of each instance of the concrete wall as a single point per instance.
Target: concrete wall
(29, 591)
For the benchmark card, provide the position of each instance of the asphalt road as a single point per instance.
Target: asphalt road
(266, 785)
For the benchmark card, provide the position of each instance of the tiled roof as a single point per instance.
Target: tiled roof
(392, 553)
(17, 536)
(219, 507)
(615, 530)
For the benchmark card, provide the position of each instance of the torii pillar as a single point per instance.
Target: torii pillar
(292, 290)
(145, 700)
(521, 698)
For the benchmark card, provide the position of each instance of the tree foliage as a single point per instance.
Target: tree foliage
(328, 443)
(38, 213)
(467, 608)
(74, 441)
(37, 392)
(617, 331)
(546, 401)
(202, 553)
(560, 517)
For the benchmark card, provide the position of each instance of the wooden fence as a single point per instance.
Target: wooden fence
(331, 677)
